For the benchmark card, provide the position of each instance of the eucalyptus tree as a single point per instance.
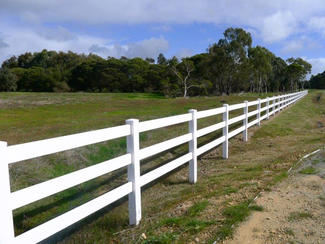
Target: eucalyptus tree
(278, 74)
(260, 59)
(183, 71)
(318, 81)
(217, 66)
(228, 59)
(161, 59)
(8, 80)
(297, 70)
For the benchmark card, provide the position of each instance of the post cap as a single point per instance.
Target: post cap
(192, 110)
(3, 144)
(131, 121)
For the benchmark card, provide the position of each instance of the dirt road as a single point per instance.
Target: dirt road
(293, 212)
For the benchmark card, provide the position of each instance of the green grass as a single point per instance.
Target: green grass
(229, 190)
(297, 216)
(189, 222)
(289, 231)
(165, 238)
(280, 177)
(308, 170)
(316, 161)
(197, 208)
(185, 224)
(255, 207)
(218, 201)
(234, 215)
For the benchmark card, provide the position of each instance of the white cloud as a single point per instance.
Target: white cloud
(317, 24)
(300, 44)
(20, 40)
(3, 44)
(163, 27)
(318, 65)
(148, 48)
(144, 49)
(292, 47)
(278, 26)
(274, 20)
(183, 53)
(59, 33)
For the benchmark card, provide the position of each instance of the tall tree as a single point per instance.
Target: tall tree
(260, 59)
(278, 74)
(8, 80)
(228, 58)
(161, 59)
(183, 73)
(297, 71)
(318, 81)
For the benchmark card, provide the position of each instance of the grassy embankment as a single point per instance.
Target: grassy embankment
(173, 209)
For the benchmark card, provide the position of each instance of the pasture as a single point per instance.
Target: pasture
(174, 210)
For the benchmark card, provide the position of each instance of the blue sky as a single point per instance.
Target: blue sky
(291, 28)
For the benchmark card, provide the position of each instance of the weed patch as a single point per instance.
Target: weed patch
(308, 170)
(229, 190)
(165, 238)
(233, 215)
(280, 177)
(197, 208)
(288, 231)
(296, 216)
(255, 207)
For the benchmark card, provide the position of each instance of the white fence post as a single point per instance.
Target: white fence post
(290, 100)
(273, 107)
(259, 112)
(225, 132)
(283, 102)
(287, 101)
(193, 146)
(134, 172)
(6, 219)
(267, 108)
(245, 121)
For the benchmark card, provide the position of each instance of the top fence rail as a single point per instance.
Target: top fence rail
(13, 154)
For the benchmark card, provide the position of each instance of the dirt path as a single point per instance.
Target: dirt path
(294, 212)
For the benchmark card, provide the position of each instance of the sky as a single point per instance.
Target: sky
(145, 28)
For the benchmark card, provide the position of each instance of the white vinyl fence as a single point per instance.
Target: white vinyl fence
(131, 130)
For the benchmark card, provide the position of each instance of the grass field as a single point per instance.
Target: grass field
(173, 209)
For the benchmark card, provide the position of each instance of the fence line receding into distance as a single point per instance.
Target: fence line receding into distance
(131, 130)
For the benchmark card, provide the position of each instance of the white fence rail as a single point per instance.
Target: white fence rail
(132, 129)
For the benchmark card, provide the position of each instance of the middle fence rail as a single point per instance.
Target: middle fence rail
(131, 130)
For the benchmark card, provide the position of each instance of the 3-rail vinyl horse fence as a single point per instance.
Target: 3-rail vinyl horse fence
(131, 130)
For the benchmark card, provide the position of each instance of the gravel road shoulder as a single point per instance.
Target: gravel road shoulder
(293, 212)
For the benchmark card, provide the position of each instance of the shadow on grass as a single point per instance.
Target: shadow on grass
(90, 190)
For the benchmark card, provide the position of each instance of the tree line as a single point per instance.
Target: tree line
(230, 65)
(317, 81)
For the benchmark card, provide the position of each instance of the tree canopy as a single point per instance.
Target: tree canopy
(317, 81)
(230, 65)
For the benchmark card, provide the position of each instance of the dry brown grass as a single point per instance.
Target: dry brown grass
(252, 167)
